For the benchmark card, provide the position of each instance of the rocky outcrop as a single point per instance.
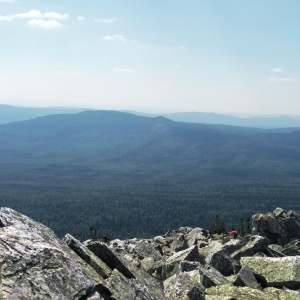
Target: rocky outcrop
(35, 264)
(279, 227)
(184, 264)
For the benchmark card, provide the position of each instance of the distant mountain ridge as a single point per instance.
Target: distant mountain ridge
(10, 113)
(143, 174)
(266, 122)
(103, 137)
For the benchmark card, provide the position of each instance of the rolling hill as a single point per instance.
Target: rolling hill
(134, 175)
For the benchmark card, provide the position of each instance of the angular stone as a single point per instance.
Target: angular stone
(278, 212)
(233, 245)
(185, 286)
(211, 277)
(93, 296)
(256, 244)
(118, 255)
(172, 264)
(195, 236)
(88, 256)
(276, 250)
(275, 272)
(292, 248)
(246, 293)
(221, 261)
(245, 277)
(37, 265)
(147, 249)
(212, 247)
(102, 251)
(186, 266)
(118, 287)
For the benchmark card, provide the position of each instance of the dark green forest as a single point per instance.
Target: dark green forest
(128, 176)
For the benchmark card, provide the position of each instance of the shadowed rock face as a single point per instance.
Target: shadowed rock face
(184, 264)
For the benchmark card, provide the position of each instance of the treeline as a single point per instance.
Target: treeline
(128, 210)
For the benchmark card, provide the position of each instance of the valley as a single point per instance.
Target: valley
(139, 176)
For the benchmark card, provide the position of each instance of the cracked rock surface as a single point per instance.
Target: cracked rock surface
(35, 264)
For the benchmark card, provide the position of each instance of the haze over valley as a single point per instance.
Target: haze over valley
(137, 117)
(137, 176)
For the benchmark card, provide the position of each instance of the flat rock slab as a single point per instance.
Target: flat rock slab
(275, 272)
(245, 293)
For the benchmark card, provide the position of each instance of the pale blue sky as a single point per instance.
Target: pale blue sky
(240, 56)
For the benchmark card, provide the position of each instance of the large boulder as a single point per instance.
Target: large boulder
(255, 245)
(107, 255)
(88, 256)
(222, 261)
(172, 264)
(185, 286)
(191, 285)
(35, 264)
(245, 293)
(275, 272)
(119, 287)
(278, 227)
(245, 277)
(127, 271)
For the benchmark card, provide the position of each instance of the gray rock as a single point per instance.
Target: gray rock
(186, 266)
(245, 277)
(276, 250)
(172, 264)
(93, 296)
(222, 261)
(278, 227)
(37, 265)
(193, 283)
(275, 272)
(148, 249)
(278, 212)
(185, 286)
(102, 251)
(245, 293)
(196, 236)
(256, 244)
(211, 277)
(120, 257)
(179, 243)
(292, 248)
(118, 287)
(233, 245)
(88, 256)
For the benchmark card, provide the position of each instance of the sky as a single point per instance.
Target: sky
(224, 56)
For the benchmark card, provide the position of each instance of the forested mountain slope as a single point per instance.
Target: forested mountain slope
(142, 174)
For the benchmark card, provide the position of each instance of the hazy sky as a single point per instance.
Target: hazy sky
(152, 55)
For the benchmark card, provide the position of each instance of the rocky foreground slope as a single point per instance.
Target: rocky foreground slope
(188, 263)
